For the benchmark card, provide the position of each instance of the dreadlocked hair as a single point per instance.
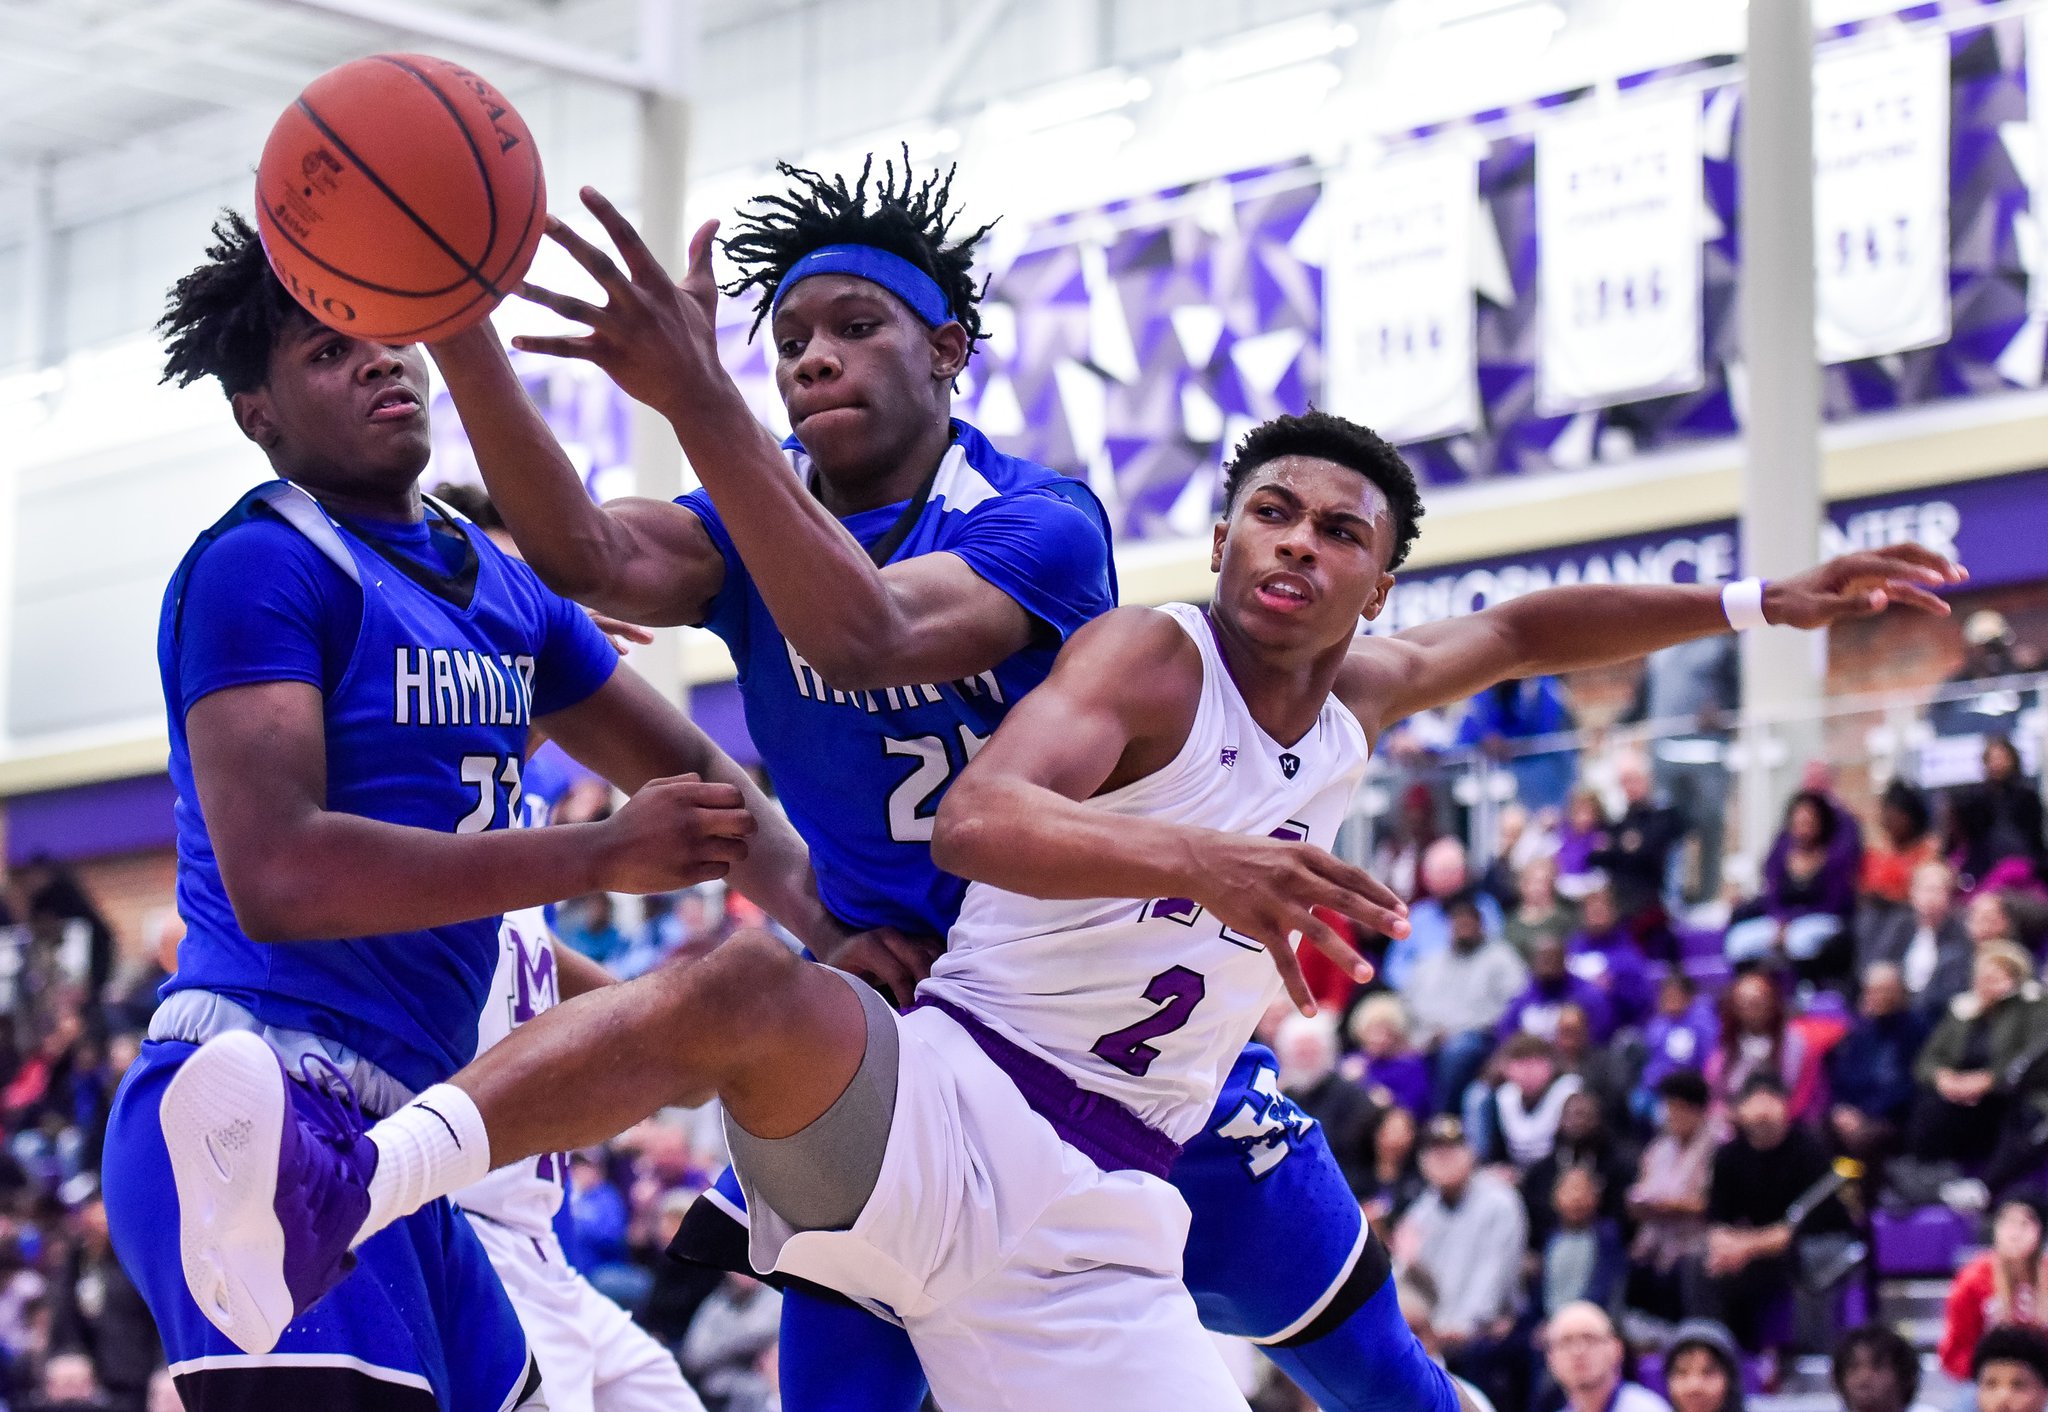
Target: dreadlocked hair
(901, 214)
(222, 319)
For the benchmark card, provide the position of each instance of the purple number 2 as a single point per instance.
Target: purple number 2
(1176, 992)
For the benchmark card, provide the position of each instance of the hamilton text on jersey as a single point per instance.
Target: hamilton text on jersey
(441, 686)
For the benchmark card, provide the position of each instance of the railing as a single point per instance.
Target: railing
(1930, 738)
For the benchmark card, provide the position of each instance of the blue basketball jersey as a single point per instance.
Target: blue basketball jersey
(435, 651)
(861, 773)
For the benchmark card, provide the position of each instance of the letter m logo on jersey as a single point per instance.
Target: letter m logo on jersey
(1266, 1125)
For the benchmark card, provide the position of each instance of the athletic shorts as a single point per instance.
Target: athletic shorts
(421, 1324)
(1027, 1276)
(592, 1356)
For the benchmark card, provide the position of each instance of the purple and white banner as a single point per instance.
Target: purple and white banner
(1618, 238)
(1398, 312)
(1880, 198)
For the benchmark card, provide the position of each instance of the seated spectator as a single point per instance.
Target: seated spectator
(2007, 1284)
(1307, 1050)
(587, 925)
(1551, 987)
(1416, 1293)
(1581, 1255)
(1538, 910)
(1680, 1035)
(1446, 877)
(1583, 1140)
(1905, 842)
(1456, 998)
(69, 1385)
(1637, 858)
(2011, 1369)
(1583, 1353)
(1514, 844)
(1513, 713)
(1603, 951)
(1870, 1072)
(598, 1217)
(1926, 939)
(1997, 820)
(1669, 1198)
(1385, 1063)
(97, 1311)
(1875, 1370)
(1809, 894)
(1758, 1175)
(1395, 1179)
(1961, 1111)
(2006, 914)
(1397, 856)
(1702, 1369)
(1583, 832)
(1605, 1069)
(1756, 1039)
(733, 1329)
(1526, 1108)
(1467, 1233)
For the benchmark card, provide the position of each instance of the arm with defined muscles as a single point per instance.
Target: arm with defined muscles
(294, 868)
(1117, 707)
(1566, 629)
(924, 619)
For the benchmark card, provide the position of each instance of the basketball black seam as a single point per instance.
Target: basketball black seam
(395, 199)
(362, 283)
(483, 173)
(532, 205)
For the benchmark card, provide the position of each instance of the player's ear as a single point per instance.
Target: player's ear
(253, 415)
(950, 346)
(1377, 604)
(1216, 545)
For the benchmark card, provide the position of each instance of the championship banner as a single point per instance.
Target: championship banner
(1618, 256)
(1398, 308)
(1880, 199)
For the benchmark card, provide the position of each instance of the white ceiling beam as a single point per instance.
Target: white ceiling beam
(487, 37)
(952, 60)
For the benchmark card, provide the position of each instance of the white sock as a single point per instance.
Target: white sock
(434, 1145)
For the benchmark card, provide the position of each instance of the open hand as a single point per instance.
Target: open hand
(1266, 889)
(1860, 585)
(656, 338)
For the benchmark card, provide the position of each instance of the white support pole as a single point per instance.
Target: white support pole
(669, 31)
(1781, 493)
(33, 316)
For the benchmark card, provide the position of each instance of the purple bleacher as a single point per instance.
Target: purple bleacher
(1710, 973)
(1697, 942)
(1924, 1241)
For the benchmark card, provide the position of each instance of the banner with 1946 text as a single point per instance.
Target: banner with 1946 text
(1618, 242)
(1399, 315)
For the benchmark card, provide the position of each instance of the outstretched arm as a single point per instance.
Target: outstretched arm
(1118, 707)
(643, 561)
(929, 618)
(1565, 629)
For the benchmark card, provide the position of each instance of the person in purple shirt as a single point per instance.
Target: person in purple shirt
(1680, 1035)
(1552, 986)
(1386, 1064)
(1605, 952)
(1808, 896)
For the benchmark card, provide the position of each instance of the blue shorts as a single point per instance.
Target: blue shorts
(420, 1325)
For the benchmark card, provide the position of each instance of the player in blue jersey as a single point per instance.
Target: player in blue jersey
(353, 678)
(890, 584)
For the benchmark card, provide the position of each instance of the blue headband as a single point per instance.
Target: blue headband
(894, 273)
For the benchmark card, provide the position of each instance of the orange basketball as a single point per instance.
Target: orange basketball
(400, 198)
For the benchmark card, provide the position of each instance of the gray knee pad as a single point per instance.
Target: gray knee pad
(820, 1179)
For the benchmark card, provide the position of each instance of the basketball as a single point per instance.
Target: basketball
(400, 197)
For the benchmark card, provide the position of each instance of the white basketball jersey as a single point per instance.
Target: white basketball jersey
(524, 1195)
(1150, 1002)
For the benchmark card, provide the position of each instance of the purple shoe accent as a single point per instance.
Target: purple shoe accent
(324, 1163)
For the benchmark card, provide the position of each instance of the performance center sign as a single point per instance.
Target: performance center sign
(1618, 255)
(1990, 526)
(1880, 198)
(1400, 347)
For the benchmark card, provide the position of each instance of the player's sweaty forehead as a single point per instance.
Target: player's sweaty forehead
(1322, 488)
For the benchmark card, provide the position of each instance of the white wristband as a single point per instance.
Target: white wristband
(1743, 602)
